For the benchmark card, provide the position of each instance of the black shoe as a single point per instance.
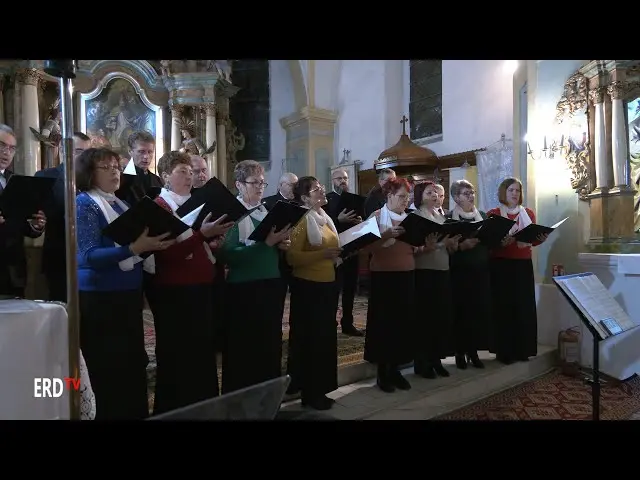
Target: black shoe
(461, 362)
(319, 403)
(423, 369)
(384, 381)
(399, 381)
(351, 331)
(475, 360)
(439, 369)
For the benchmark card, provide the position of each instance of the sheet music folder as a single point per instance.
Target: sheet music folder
(281, 215)
(144, 214)
(417, 229)
(598, 308)
(351, 201)
(24, 196)
(530, 233)
(359, 236)
(494, 229)
(218, 200)
(257, 402)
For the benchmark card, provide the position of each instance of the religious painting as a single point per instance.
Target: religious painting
(633, 114)
(116, 113)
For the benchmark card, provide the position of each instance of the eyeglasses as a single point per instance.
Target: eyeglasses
(320, 188)
(468, 193)
(257, 184)
(8, 148)
(107, 168)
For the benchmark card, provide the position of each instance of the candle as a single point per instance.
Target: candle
(545, 142)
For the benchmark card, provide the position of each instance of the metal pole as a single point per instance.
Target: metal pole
(65, 70)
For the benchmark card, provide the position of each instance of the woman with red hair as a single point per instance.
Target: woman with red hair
(390, 309)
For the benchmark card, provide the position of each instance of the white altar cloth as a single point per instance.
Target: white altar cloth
(33, 344)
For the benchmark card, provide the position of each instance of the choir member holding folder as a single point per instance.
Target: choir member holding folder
(515, 324)
(184, 272)
(313, 343)
(433, 318)
(470, 283)
(390, 314)
(253, 348)
(110, 291)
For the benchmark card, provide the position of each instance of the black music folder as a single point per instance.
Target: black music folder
(359, 236)
(494, 229)
(530, 233)
(218, 200)
(24, 196)
(351, 201)
(417, 228)
(281, 215)
(144, 214)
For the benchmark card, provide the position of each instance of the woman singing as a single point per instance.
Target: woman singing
(187, 371)
(515, 321)
(313, 343)
(470, 282)
(110, 292)
(433, 315)
(253, 349)
(390, 314)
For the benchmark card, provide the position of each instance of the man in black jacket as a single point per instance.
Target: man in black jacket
(54, 251)
(285, 190)
(375, 199)
(347, 272)
(13, 263)
(142, 147)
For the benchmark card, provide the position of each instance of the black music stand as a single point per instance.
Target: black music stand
(597, 338)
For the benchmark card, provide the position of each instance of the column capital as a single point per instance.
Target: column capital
(597, 94)
(28, 76)
(176, 109)
(210, 109)
(617, 90)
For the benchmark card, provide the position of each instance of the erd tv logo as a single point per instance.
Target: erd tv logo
(53, 387)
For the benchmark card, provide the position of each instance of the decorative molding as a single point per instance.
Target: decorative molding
(597, 94)
(177, 109)
(617, 90)
(28, 76)
(143, 68)
(309, 114)
(574, 97)
(210, 109)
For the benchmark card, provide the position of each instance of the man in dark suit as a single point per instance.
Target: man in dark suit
(54, 252)
(142, 147)
(13, 263)
(285, 190)
(347, 272)
(375, 199)
(440, 203)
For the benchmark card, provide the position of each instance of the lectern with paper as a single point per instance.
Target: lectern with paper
(600, 313)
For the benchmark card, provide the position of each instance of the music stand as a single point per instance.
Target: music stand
(600, 328)
(257, 402)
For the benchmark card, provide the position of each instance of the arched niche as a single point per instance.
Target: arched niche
(117, 106)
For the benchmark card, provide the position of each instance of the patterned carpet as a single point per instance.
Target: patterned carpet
(554, 397)
(350, 349)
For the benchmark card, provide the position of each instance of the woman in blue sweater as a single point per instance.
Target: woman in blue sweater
(110, 292)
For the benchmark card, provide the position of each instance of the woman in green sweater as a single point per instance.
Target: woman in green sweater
(255, 291)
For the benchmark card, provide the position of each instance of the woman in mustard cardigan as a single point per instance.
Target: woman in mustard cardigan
(313, 344)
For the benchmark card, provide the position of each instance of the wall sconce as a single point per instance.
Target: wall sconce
(547, 152)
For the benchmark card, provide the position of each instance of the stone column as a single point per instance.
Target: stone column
(176, 137)
(211, 137)
(222, 117)
(600, 151)
(29, 161)
(619, 137)
(2, 117)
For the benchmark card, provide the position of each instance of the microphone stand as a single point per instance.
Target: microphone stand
(65, 70)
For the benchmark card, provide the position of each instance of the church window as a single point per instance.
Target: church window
(425, 98)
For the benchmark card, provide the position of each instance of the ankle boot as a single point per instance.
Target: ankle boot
(398, 380)
(384, 381)
(439, 369)
(475, 360)
(423, 369)
(461, 361)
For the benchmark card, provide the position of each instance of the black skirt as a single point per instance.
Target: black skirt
(433, 322)
(187, 371)
(313, 338)
(515, 319)
(253, 349)
(471, 304)
(390, 318)
(112, 342)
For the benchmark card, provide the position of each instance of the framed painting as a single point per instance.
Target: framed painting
(117, 108)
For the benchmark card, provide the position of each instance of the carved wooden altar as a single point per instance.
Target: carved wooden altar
(597, 135)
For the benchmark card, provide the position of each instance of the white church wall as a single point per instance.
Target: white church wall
(282, 104)
(554, 197)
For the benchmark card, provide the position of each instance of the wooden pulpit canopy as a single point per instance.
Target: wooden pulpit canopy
(406, 155)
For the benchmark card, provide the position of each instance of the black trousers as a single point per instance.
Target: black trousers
(57, 285)
(347, 283)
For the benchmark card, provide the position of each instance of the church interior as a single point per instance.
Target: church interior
(568, 129)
